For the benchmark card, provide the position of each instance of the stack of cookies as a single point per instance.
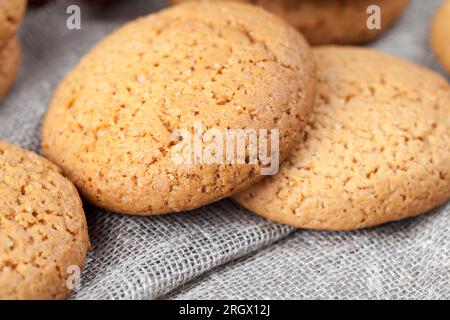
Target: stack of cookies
(11, 14)
(357, 138)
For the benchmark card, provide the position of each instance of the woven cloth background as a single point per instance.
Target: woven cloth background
(222, 251)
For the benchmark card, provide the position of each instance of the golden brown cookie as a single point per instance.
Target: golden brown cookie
(332, 21)
(11, 14)
(376, 148)
(43, 231)
(10, 57)
(440, 35)
(110, 125)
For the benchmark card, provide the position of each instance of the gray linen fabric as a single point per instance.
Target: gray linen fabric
(406, 260)
(222, 251)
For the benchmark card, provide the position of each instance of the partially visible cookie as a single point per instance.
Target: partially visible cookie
(376, 148)
(43, 233)
(10, 57)
(219, 66)
(333, 21)
(440, 35)
(11, 14)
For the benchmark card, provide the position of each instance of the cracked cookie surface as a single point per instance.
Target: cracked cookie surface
(440, 35)
(42, 227)
(226, 65)
(332, 21)
(10, 57)
(376, 148)
(11, 14)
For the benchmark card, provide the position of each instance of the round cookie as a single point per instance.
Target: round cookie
(111, 122)
(10, 57)
(440, 35)
(11, 14)
(42, 227)
(375, 150)
(332, 21)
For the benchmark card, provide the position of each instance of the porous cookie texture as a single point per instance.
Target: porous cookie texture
(11, 14)
(225, 65)
(333, 21)
(10, 57)
(43, 229)
(375, 150)
(440, 35)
